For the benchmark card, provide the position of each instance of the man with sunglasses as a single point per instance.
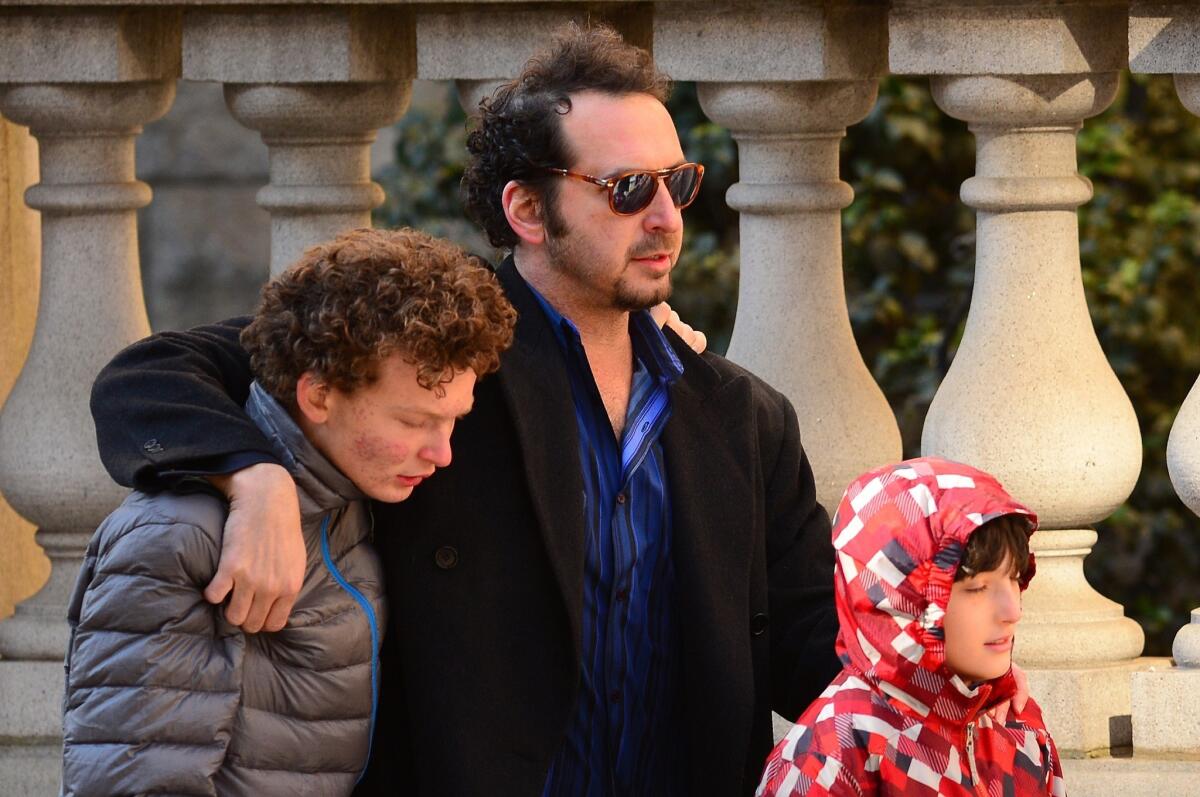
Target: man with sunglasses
(625, 568)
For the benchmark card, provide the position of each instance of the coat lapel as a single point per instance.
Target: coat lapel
(534, 381)
(711, 466)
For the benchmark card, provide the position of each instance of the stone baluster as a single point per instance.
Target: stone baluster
(23, 567)
(1030, 395)
(1166, 697)
(787, 82)
(316, 84)
(85, 113)
(792, 325)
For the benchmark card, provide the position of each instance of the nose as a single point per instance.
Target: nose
(661, 215)
(1008, 601)
(437, 451)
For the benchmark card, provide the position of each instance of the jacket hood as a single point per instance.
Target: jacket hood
(899, 534)
(321, 486)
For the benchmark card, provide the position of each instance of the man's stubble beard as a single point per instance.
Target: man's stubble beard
(565, 255)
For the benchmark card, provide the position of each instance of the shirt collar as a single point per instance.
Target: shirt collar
(650, 345)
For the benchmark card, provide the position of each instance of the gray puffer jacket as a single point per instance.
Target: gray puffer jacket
(163, 696)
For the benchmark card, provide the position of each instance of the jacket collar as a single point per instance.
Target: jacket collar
(321, 486)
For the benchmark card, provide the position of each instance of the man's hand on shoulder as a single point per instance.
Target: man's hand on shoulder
(665, 316)
(263, 555)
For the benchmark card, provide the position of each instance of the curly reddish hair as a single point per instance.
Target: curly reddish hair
(348, 304)
(518, 131)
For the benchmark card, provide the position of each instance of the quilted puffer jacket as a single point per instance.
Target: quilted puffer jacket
(897, 721)
(164, 696)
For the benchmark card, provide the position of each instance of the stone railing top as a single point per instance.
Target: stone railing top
(482, 40)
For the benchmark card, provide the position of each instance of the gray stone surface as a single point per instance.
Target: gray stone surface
(1018, 38)
(486, 43)
(319, 136)
(31, 693)
(1131, 777)
(1166, 710)
(1071, 447)
(1186, 648)
(287, 45)
(1164, 38)
(1087, 709)
(31, 770)
(89, 46)
(770, 40)
(792, 326)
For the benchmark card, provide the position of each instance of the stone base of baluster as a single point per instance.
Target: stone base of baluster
(1088, 709)
(1136, 776)
(1166, 710)
(31, 770)
(31, 694)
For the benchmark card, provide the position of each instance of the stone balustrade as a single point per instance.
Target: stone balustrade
(1030, 395)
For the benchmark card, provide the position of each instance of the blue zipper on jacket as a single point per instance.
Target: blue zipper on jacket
(370, 611)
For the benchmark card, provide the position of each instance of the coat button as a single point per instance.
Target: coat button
(759, 623)
(446, 557)
(152, 446)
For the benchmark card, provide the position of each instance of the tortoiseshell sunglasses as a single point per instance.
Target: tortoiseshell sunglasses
(632, 192)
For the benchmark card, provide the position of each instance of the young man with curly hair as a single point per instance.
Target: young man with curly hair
(364, 355)
(625, 569)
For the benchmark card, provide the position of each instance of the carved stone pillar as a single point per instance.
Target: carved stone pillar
(317, 108)
(1030, 395)
(792, 326)
(1166, 698)
(23, 567)
(85, 113)
(787, 78)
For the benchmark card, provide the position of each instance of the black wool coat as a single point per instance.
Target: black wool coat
(484, 563)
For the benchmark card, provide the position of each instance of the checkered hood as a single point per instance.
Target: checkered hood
(899, 534)
(896, 721)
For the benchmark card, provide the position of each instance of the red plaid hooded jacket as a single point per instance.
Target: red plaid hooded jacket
(896, 721)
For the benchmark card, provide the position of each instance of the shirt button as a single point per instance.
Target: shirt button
(758, 624)
(622, 595)
(446, 557)
(615, 695)
(620, 498)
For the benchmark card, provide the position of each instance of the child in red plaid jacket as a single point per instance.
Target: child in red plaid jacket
(931, 559)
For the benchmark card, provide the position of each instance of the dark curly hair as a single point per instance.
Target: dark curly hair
(518, 130)
(348, 304)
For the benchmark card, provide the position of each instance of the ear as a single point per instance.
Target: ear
(523, 209)
(312, 397)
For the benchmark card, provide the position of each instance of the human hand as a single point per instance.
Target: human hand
(665, 316)
(262, 555)
(999, 712)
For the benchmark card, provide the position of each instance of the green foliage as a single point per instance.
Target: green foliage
(909, 254)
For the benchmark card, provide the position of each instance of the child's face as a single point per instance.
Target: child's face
(981, 622)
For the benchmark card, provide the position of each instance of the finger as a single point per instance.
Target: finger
(257, 614)
(239, 605)
(660, 312)
(699, 342)
(218, 588)
(278, 615)
(1000, 713)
